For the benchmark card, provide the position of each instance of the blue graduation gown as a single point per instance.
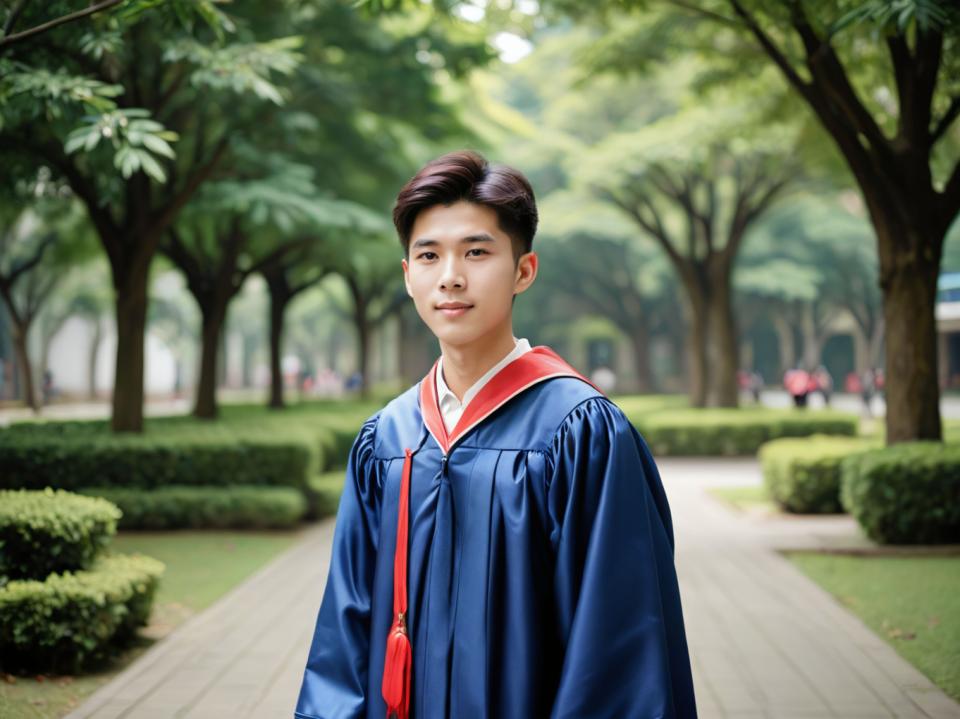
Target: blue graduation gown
(541, 573)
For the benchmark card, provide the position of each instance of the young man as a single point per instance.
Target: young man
(503, 545)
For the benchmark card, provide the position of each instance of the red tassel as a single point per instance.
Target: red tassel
(398, 658)
(396, 677)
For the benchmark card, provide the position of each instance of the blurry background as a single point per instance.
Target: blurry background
(748, 238)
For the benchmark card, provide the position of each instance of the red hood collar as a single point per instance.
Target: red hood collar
(539, 364)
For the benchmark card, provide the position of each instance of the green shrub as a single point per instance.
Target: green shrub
(705, 432)
(51, 531)
(324, 493)
(249, 444)
(180, 507)
(906, 493)
(64, 623)
(803, 475)
(37, 460)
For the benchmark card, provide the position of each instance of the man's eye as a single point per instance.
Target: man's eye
(423, 255)
(478, 249)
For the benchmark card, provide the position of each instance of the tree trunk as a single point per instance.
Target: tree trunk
(912, 391)
(862, 357)
(205, 405)
(786, 341)
(93, 351)
(363, 349)
(724, 391)
(278, 305)
(131, 315)
(30, 398)
(697, 350)
(249, 345)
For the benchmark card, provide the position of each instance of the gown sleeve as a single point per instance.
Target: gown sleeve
(615, 584)
(335, 679)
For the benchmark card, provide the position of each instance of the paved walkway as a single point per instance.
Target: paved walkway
(765, 641)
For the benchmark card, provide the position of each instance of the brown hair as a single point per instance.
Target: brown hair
(466, 175)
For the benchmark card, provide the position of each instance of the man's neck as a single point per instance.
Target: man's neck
(463, 365)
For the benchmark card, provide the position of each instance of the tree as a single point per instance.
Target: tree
(152, 75)
(890, 108)
(619, 278)
(240, 227)
(287, 276)
(374, 281)
(696, 192)
(809, 264)
(41, 236)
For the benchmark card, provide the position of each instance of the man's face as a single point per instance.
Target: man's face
(461, 272)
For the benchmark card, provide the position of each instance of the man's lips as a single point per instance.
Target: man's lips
(453, 309)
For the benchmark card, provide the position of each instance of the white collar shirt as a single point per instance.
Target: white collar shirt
(452, 408)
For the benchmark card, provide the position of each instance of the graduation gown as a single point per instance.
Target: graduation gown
(541, 580)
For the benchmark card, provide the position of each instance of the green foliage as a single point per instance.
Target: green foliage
(239, 68)
(134, 139)
(51, 531)
(199, 507)
(705, 432)
(44, 458)
(213, 465)
(899, 15)
(905, 494)
(47, 95)
(68, 621)
(803, 475)
(324, 492)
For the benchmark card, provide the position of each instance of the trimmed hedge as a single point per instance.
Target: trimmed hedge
(249, 445)
(905, 494)
(70, 620)
(803, 475)
(36, 461)
(324, 493)
(179, 507)
(732, 432)
(51, 531)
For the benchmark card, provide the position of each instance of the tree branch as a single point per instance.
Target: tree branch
(770, 47)
(948, 117)
(102, 219)
(703, 12)
(9, 40)
(13, 17)
(950, 197)
(165, 216)
(831, 77)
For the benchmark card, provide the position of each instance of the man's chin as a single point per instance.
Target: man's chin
(457, 336)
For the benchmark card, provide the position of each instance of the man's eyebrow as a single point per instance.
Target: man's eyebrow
(427, 242)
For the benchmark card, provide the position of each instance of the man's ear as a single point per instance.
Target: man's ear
(406, 276)
(526, 272)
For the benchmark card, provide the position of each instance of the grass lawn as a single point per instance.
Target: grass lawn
(746, 499)
(909, 601)
(201, 567)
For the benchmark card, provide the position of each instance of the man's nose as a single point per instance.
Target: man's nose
(452, 276)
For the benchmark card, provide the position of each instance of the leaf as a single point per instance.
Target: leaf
(76, 140)
(93, 137)
(151, 166)
(127, 161)
(158, 146)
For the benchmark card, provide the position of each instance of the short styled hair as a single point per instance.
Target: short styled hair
(466, 175)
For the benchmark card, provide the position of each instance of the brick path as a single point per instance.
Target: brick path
(765, 641)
